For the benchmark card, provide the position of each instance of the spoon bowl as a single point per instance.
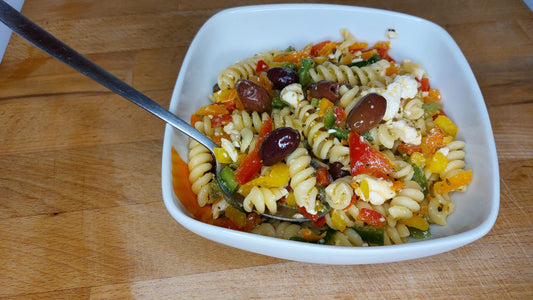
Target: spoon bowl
(59, 50)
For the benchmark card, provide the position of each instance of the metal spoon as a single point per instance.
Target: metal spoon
(53, 46)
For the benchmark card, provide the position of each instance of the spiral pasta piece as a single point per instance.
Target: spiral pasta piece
(348, 238)
(439, 208)
(397, 234)
(384, 135)
(243, 69)
(263, 197)
(302, 179)
(277, 229)
(243, 119)
(339, 193)
(412, 109)
(402, 170)
(204, 126)
(322, 144)
(200, 165)
(455, 158)
(340, 219)
(405, 203)
(371, 76)
(284, 118)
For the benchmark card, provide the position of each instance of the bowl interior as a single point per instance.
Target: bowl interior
(223, 40)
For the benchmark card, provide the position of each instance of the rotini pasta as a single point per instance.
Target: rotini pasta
(200, 165)
(384, 185)
(243, 69)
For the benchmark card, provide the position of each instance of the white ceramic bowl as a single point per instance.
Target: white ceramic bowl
(238, 33)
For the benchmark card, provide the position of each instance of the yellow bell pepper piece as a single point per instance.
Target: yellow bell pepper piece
(438, 163)
(290, 200)
(446, 125)
(338, 221)
(453, 182)
(417, 222)
(323, 106)
(365, 189)
(418, 158)
(222, 156)
(277, 177)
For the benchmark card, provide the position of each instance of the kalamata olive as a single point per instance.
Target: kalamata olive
(253, 96)
(282, 77)
(336, 170)
(279, 144)
(367, 114)
(324, 89)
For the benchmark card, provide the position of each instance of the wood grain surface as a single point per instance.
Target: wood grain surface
(81, 211)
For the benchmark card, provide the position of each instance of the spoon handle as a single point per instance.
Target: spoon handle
(56, 48)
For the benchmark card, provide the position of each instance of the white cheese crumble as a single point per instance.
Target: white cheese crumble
(403, 86)
(292, 94)
(406, 133)
(379, 190)
(444, 150)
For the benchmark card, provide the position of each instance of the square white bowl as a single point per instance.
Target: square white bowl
(237, 33)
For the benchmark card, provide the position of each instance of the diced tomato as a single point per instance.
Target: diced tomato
(409, 148)
(371, 217)
(322, 176)
(340, 114)
(261, 66)
(221, 120)
(251, 164)
(365, 159)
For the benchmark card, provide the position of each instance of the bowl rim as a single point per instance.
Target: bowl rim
(380, 253)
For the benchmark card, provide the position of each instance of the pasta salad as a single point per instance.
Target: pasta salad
(357, 141)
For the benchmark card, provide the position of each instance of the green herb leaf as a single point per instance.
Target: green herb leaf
(373, 59)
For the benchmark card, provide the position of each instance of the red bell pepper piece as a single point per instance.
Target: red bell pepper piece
(251, 164)
(365, 159)
(409, 148)
(261, 66)
(304, 212)
(371, 217)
